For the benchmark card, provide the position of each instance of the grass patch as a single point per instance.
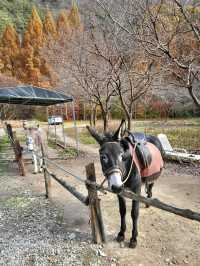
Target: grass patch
(182, 133)
(84, 135)
(188, 138)
(4, 142)
(16, 202)
(86, 138)
(68, 152)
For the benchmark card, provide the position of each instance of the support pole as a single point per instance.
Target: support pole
(63, 129)
(47, 114)
(75, 127)
(97, 226)
(55, 132)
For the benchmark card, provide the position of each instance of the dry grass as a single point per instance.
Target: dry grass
(182, 133)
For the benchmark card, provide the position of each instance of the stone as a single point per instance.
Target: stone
(72, 236)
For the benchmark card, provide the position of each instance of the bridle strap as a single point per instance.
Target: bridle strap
(132, 161)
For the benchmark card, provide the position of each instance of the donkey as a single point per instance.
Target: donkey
(128, 162)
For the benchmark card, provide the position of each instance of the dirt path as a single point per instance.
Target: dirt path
(164, 239)
(39, 232)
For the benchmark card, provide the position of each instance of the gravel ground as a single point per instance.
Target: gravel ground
(33, 229)
(32, 232)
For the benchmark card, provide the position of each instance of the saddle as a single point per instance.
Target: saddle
(142, 151)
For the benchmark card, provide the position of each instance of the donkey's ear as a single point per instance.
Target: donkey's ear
(117, 135)
(98, 137)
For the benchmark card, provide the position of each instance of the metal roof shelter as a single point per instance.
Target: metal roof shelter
(30, 95)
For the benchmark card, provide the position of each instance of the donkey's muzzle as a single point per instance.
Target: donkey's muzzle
(115, 180)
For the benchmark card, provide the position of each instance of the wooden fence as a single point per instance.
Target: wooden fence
(92, 200)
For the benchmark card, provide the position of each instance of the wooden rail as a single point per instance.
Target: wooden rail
(92, 200)
(186, 213)
(68, 187)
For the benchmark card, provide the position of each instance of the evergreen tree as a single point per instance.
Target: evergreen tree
(34, 33)
(74, 16)
(9, 50)
(50, 25)
(63, 22)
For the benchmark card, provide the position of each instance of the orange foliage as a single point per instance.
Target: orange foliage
(50, 25)
(63, 22)
(34, 35)
(9, 50)
(74, 16)
(25, 62)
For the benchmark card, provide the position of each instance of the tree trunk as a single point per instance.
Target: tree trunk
(129, 121)
(194, 97)
(91, 115)
(94, 117)
(105, 121)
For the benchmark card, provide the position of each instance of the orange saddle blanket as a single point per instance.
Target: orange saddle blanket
(154, 169)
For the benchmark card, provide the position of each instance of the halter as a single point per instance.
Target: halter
(131, 166)
(132, 161)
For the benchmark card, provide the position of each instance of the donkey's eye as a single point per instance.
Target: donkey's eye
(123, 157)
(104, 158)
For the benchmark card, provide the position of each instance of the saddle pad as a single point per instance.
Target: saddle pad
(156, 164)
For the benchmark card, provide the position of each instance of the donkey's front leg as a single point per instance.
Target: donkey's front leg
(122, 210)
(134, 215)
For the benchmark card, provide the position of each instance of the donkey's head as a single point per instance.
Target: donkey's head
(114, 151)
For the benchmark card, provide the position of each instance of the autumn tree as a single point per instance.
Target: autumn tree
(63, 22)
(74, 16)
(168, 33)
(34, 34)
(93, 74)
(23, 57)
(50, 25)
(9, 50)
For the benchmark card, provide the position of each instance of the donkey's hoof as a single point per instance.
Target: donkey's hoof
(133, 243)
(147, 206)
(120, 237)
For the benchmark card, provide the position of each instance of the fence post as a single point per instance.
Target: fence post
(97, 226)
(17, 149)
(47, 178)
(18, 155)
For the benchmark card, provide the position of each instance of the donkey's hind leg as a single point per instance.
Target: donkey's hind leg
(134, 215)
(148, 189)
(122, 210)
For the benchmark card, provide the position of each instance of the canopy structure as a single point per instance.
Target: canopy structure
(30, 95)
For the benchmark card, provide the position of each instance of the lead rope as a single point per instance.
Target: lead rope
(131, 167)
